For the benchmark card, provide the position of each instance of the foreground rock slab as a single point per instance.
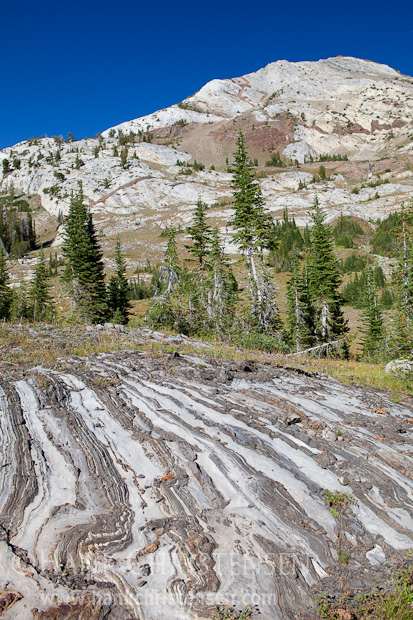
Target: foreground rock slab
(142, 486)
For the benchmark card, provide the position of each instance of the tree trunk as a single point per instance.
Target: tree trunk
(324, 319)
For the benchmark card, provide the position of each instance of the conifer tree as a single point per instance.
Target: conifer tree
(171, 260)
(124, 157)
(325, 280)
(252, 225)
(403, 277)
(6, 166)
(162, 310)
(118, 290)
(200, 235)
(6, 293)
(85, 270)
(20, 307)
(300, 310)
(373, 319)
(222, 294)
(41, 303)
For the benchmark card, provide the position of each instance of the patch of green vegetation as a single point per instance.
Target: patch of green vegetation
(355, 262)
(377, 183)
(393, 603)
(385, 239)
(187, 168)
(231, 613)
(16, 226)
(339, 157)
(286, 238)
(276, 161)
(338, 501)
(186, 106)
(354, 292)
(347, 227)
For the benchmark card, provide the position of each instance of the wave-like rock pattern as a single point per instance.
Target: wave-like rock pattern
(146, 487)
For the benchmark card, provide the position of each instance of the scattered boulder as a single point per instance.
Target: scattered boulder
(399, 367)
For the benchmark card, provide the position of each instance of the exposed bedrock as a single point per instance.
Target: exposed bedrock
(141, 487)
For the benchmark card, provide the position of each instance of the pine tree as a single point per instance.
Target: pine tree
(300, 310)
(252, 225)
(325, 280)
(373, 319)
(124, 157)
(41, 303)
(85, 270)
(200, 235)
(162, 310)
(403, 278)
(171, 260)
(118, 290)
(6, 166)
(20, 306)
(6, 293)
(222, 289)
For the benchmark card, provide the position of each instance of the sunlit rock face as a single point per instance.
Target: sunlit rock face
(146, 487)
(337, 106)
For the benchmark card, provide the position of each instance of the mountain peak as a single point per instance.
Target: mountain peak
(340, 107)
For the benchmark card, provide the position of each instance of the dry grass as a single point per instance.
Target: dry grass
(25, 347)
(396, 603)
(20, 348)
(361, 374)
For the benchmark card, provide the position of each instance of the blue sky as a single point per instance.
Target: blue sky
(81, 67)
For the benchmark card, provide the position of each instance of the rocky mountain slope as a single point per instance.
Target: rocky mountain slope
(338, 106)
(147, 486)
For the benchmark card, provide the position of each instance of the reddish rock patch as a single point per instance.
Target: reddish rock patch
(7, 600)
(84, 609)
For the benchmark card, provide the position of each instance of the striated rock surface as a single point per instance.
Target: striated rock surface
(142, 487)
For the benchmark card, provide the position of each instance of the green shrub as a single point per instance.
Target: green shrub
(285, 237)
(354, 262)
(354, 292)
(345, 241)
(230, 613)
(395, 603)
(275, 161)
(339, 157)
(347, 225)
(22, 206)
(385, 239)
(260, 342)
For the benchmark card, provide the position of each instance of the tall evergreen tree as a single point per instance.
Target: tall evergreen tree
(162, 310)
(252, 225)
(41, 303)
(85, 270)
(6, 166)
(6, 293)
(171, 260)
(403, 277)
(222, 294)
(124, 157)
(300, 310)
(325, 280)
(373, 318)
(118, 290)
(20, 307)
(200, 235)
